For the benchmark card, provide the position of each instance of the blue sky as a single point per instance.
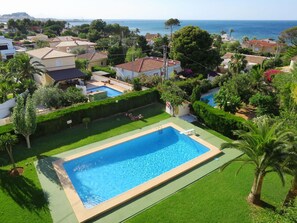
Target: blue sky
(156, 9)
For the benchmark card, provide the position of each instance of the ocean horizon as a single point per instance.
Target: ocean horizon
(252, 28)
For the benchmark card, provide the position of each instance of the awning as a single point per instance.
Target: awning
(67, 74)
(100, 73)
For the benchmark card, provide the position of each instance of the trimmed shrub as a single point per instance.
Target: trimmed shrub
(112, 73)
(218, 120)
(57, 120)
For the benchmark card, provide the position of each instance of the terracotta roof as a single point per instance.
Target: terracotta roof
(65, 38)
(146, 64)
(75, 43)
(150, 36)
(93, 56)
(48, 53)
(250, 58)
(263, 43)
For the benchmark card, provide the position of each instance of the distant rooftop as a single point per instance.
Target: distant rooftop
(250, 58)
(146, 64)
(48, 53)
(75, 43)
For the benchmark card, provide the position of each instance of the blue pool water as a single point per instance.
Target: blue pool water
(102, 175)
(210, 99)
(110, 92)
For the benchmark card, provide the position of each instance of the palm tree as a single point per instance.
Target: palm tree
(290, 167)
(230, 32)
(7, 141)
(170, 23)
(265, 146)
(237, 63)
(24, 68)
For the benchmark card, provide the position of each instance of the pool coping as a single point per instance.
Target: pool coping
(83, 214)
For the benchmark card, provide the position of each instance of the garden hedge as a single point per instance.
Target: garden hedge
(217, 119)
(57, 120)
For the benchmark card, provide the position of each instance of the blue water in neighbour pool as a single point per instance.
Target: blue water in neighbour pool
(102, 175)
(110, 92)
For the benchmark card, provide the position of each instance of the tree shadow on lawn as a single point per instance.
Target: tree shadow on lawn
(46, 167)
(23, 191)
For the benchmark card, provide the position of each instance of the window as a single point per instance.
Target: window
(3, 47)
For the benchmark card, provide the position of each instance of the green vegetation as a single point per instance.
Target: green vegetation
(170, 23)
(266, 146)
(22, 197)
(24, 118)
(193, 47)
(218, 120)
(57, 120)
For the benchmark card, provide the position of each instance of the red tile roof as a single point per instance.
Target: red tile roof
(262, 43)
(146, 64)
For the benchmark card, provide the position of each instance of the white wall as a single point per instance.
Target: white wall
(183, 109)
(10, 50)
(5, 108)
(123, 74)
(292, 64)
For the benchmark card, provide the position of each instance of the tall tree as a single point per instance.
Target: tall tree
(289, 36)
(24, 118)
(170, 23)
(133, 53)
(193, 47)
(237, 63)
(7, 141)
(116, 55)
(265, 146)
(230, 32)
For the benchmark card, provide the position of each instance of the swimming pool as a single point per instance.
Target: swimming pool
(209, 98)
(113, 174)
(110, 92)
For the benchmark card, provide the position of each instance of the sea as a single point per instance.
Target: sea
(252, 29)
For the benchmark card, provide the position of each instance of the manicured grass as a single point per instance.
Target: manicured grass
(218, 197)
(22, 199)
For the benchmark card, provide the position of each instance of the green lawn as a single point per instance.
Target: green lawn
(22, 199)
(218, 197)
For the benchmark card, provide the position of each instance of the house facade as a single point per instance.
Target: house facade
(263, 46)
(252, 60)
(148, 66)
(7, 50)
(59, 66)
(293, 62)
(94, 59)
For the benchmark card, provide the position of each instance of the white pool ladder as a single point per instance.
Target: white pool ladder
(188, 132)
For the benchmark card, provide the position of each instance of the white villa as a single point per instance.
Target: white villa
(147, 66)
(7, 50)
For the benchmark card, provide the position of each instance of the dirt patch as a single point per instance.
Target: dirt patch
(16, 172)
(247, 112)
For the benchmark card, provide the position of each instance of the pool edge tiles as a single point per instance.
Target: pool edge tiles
(84, 214)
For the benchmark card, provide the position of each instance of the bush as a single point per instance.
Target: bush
(56, 121)
(137, 84)
(196, 94)
(111, 72)
(218, 120)
(266, 104)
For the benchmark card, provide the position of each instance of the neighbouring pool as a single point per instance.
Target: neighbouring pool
(105, 174)
(209, 98)
(110, 92)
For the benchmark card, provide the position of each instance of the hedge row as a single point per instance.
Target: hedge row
(217, 119)
(57, 120)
